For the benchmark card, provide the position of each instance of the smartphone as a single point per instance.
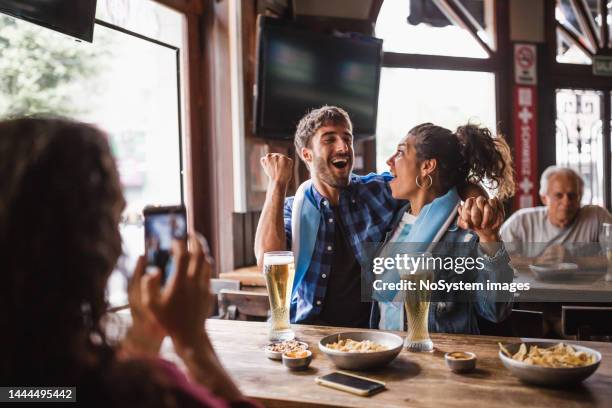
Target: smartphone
(351, 383)
(162, 225)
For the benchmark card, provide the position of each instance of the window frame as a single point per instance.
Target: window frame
(177, 52)
(496, 63)
(200, 172)
(557, 75)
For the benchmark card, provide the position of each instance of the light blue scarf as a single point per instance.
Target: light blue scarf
(429, 227)
(305, 218)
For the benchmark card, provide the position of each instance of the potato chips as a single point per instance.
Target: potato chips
(352, 346)
(558, 356)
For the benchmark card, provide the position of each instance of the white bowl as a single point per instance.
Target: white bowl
(363, 361)
(278, 355)
(554, 271)
(550, 376)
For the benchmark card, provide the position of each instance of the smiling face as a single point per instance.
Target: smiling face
(330, 155)
(562, 199)
(405, 167)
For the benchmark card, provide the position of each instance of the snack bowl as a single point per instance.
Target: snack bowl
(362, 360)
(278, 355)
(554, 271)
(549, 376)
(297, 360)
(460, 361)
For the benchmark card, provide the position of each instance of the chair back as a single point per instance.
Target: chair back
(243, 305)
(520, 323)
(215, 287)
(586, 321)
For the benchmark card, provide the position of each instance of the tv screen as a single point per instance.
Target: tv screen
(72, 17)
(300, 70)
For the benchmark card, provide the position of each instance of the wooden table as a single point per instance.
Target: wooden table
(249, 276)
(413, 379)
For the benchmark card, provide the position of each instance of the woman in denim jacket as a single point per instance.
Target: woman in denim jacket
(431, 163)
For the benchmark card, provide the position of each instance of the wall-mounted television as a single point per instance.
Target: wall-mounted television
(72, 17)
(299, 70)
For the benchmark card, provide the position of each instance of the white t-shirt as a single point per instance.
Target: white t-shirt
(403, 228)
(532, 225)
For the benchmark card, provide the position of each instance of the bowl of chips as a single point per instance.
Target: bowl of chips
(549, 363)
(361, 350)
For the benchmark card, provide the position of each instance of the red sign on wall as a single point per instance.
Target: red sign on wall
(525, 145)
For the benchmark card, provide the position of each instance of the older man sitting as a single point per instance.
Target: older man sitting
(559, 226)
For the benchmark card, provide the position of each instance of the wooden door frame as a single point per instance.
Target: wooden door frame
(200, 175)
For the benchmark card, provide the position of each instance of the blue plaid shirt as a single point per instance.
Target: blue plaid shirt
(367, 209)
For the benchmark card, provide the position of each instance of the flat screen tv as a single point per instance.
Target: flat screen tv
(300, 70)
(72, 17)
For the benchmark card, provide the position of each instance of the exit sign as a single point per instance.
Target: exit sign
(602, 65)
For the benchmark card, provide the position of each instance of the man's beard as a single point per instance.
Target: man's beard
(324, 173)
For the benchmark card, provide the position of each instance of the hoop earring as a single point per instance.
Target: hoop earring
(424, 187)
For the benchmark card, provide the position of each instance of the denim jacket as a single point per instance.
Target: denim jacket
(461, 316)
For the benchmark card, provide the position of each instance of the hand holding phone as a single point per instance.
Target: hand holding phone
(163, 225)
(351, 383)
(184, 303)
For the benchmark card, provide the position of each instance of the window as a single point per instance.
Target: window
(581, 87)
(420, 27)
(579, 142)
(579, 30)
(412, 96)
(409, 94)
(128, 83)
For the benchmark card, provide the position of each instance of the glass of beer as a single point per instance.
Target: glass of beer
(279, 270)
(416, 305)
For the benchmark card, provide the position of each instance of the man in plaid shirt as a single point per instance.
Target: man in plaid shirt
(353, 210)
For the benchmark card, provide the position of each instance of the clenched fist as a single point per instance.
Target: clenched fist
(278, 168)
(483, 216)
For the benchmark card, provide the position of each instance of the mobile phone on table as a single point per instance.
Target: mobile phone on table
(163, 224)
(351, 383)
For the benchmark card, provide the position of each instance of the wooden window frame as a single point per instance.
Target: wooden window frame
(497, 63)
(557, 75)
(200, 174)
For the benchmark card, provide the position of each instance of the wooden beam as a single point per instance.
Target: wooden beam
(420, 61)
(604, 41)
(607, 156)
(375, 10)
(586, 23)
(455, 15)
(573, 39)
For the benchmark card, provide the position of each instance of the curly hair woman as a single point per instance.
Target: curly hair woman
(431, 164)
(60, 206)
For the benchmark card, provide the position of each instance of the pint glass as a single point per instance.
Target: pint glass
(279, 271)
(416, 305)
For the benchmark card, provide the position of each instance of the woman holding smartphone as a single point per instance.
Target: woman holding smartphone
(60, 205)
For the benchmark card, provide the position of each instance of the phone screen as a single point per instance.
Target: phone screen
(353, 382)
(162, 226)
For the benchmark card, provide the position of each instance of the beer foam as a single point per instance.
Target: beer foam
(278, 259)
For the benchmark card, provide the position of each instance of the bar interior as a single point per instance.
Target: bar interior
(306, 203)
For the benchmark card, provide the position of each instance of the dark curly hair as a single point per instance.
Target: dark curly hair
(60, 203)
(471, 154)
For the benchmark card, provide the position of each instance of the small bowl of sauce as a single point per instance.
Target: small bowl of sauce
(297, 360)
(460, 361)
